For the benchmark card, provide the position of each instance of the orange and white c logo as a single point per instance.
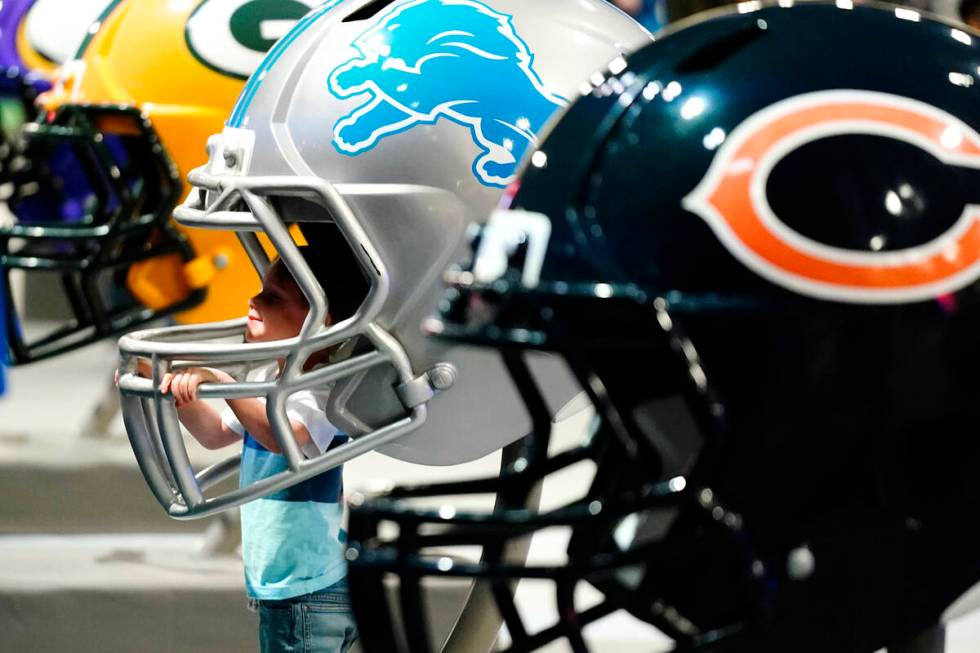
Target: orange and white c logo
(732, 199)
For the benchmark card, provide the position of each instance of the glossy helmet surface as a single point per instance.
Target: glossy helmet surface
(757, 245)
(400, 123)
(122, 126)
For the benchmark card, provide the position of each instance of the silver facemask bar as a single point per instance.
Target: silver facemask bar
(151, 418)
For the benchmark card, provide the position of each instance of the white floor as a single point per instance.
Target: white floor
(40, 422)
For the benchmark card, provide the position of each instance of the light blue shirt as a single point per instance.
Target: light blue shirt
(292, 541)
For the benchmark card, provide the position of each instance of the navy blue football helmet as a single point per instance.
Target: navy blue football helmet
(757, 243)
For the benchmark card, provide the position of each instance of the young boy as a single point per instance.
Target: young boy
(292, 542)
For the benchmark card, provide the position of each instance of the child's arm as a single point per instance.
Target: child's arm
(251, 413)
(204, 422)
(199, 418)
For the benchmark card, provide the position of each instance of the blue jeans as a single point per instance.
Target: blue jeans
(320, 622)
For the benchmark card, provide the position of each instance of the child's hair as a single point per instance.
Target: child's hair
(333, 264)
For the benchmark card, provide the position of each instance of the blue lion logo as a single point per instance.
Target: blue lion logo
(454, 59)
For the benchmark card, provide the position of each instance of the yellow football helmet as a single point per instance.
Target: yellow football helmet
(126, 121)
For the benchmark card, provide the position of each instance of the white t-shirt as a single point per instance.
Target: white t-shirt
(308, 407)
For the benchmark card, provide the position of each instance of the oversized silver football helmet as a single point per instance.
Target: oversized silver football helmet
(401, 122)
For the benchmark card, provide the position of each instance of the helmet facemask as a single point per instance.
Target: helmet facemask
(249, 206)
(631, 536)
(92, 204)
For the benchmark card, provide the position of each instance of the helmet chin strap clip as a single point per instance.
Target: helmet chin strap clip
(424, 387)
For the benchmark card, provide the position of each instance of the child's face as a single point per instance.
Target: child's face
(278, 311)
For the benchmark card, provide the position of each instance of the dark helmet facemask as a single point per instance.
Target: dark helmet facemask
(624, 525)
(92, 203)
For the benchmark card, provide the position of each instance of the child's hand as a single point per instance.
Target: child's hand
(183, 383)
